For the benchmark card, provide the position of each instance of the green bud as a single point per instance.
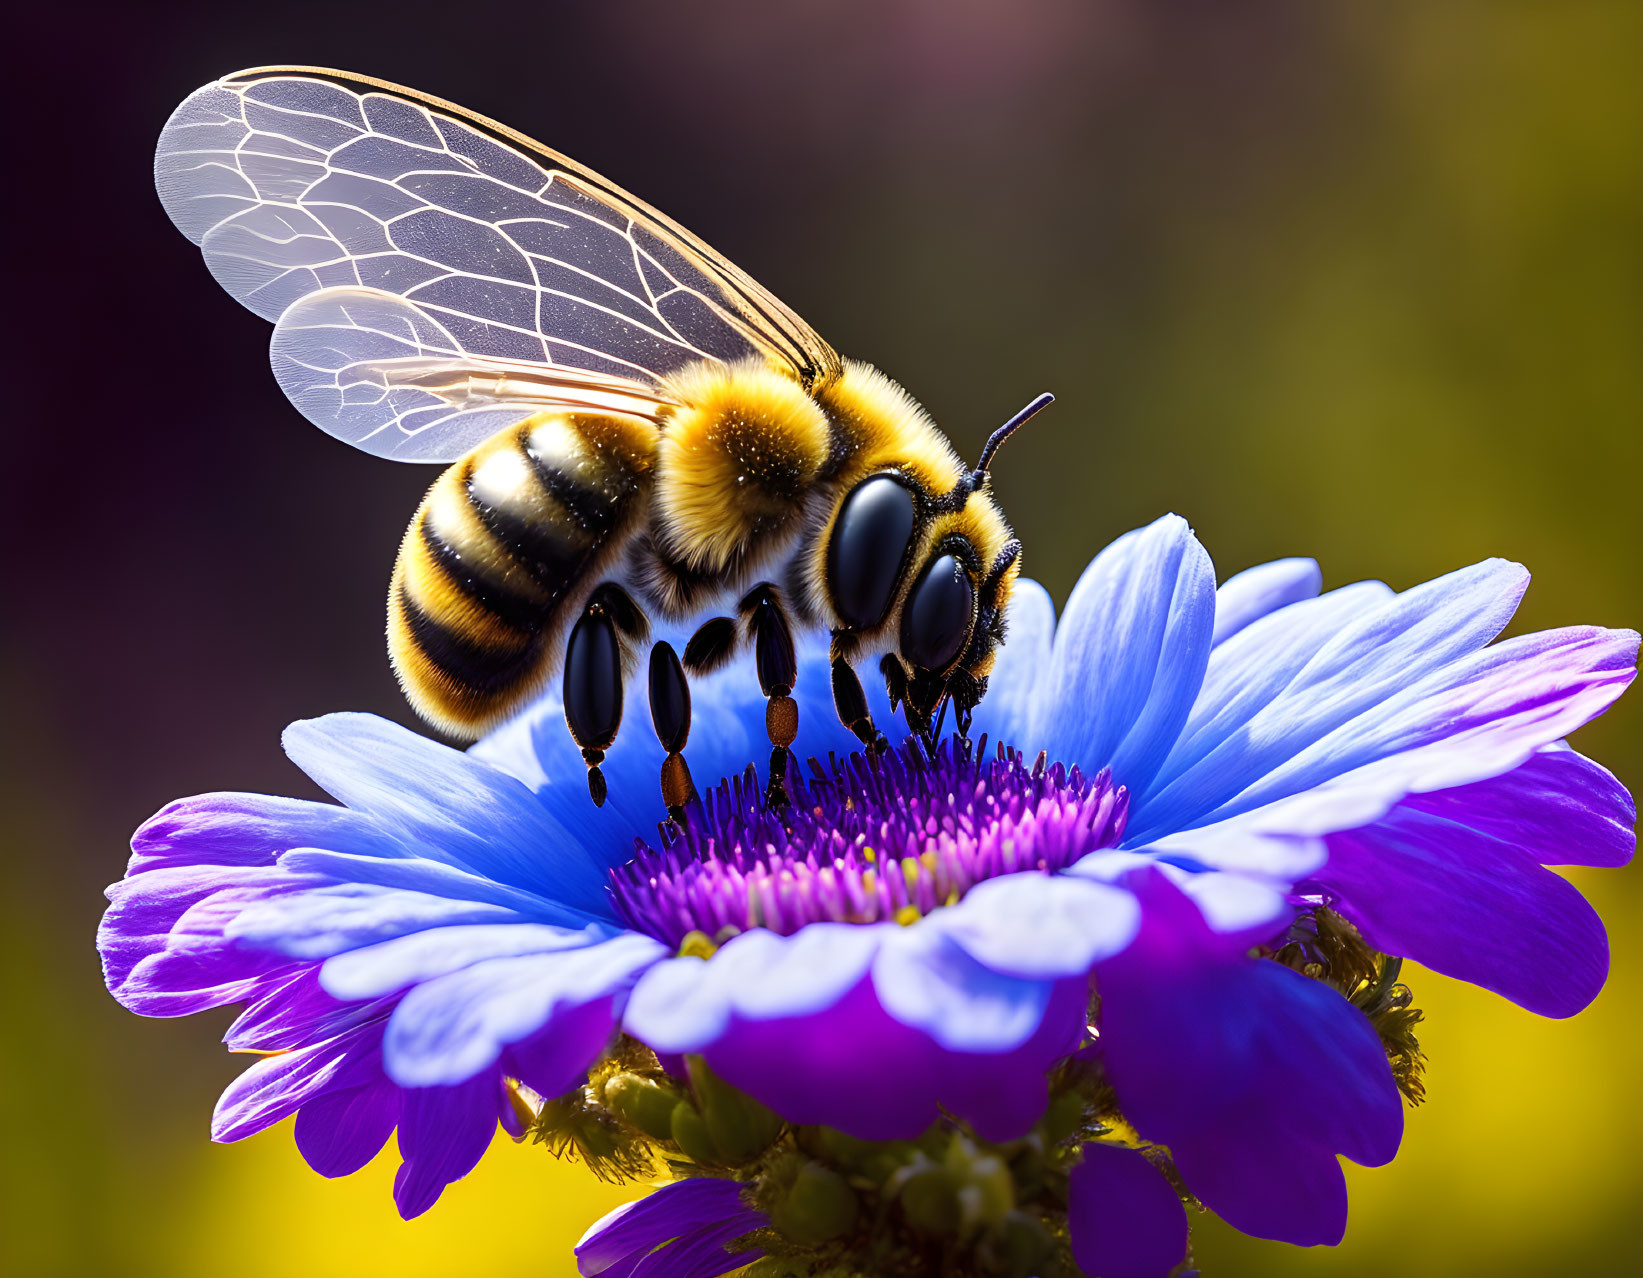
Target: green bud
(689, 1132)
(929, 1201)
(1021, 1245)
(818, 1207)
(989, 1193)
(643, 1103)
(1064, 1117)
(740, 1126)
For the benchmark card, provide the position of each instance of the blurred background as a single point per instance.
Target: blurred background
(1356, 280)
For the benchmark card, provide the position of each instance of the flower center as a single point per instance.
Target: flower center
(863, 841)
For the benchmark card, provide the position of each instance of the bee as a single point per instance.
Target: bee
(634, 430)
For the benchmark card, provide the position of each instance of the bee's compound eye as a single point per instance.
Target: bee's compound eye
(869, 543)
(936, 619)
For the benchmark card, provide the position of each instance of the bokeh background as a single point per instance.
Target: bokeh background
(1356, 280)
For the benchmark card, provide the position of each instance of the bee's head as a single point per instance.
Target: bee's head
(933, 570)
(951, 625)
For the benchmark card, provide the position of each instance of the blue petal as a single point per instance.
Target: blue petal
(1407, 674)
(452, 1027)
(1243, 678)
(450, 806)
(1533, 689)
(1239, 908)
(1018, 681)
(1039, 926)
(433, 878)
(1130, 653)
(1249, 595)
(796, 1021)
(391, 966)
(322, 921)
(683, 1004)
(926, 981)
(727, 733)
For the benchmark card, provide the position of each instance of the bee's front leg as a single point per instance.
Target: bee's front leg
(850, 700)
(595, 670)
(778, 669)
(670, 714)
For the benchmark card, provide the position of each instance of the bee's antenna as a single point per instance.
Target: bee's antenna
(995, 441)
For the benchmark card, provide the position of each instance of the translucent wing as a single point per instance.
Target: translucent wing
(435, 275)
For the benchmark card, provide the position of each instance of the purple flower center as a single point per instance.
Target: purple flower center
(863, 841)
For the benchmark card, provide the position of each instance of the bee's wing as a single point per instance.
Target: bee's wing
(388, 376)
(403, 242)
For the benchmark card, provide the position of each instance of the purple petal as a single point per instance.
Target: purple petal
(1130, 653)
(859, 1069)
(1560, 808)
(703, 1253)
(1266, 1182)
(1470, 906)
(1234, 1062)
(1125, 1218)
(1250, 595)
(277, 1085)
(161, 941)
(642, 1226)
(293, 1013)
(797, 1021)
(339, 1133)
(443, 1133)
(249, 830)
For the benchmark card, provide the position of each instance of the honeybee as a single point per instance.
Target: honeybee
(634, 428)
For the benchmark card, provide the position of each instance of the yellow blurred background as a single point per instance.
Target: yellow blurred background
(1355, 280)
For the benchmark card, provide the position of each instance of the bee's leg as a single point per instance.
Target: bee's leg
(594, 674)
(713, 644)
(670, 713)
(778, 669)
(895, 680)
(850, 700)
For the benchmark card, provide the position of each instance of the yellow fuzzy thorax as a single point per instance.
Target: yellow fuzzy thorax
(735, 461)
(882, 427)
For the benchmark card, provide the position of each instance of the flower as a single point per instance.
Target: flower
(1224, 807)
(692, 1222)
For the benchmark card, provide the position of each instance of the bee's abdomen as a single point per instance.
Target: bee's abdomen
(505, 542)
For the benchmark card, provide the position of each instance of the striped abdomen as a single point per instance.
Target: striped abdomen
(500, 555)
